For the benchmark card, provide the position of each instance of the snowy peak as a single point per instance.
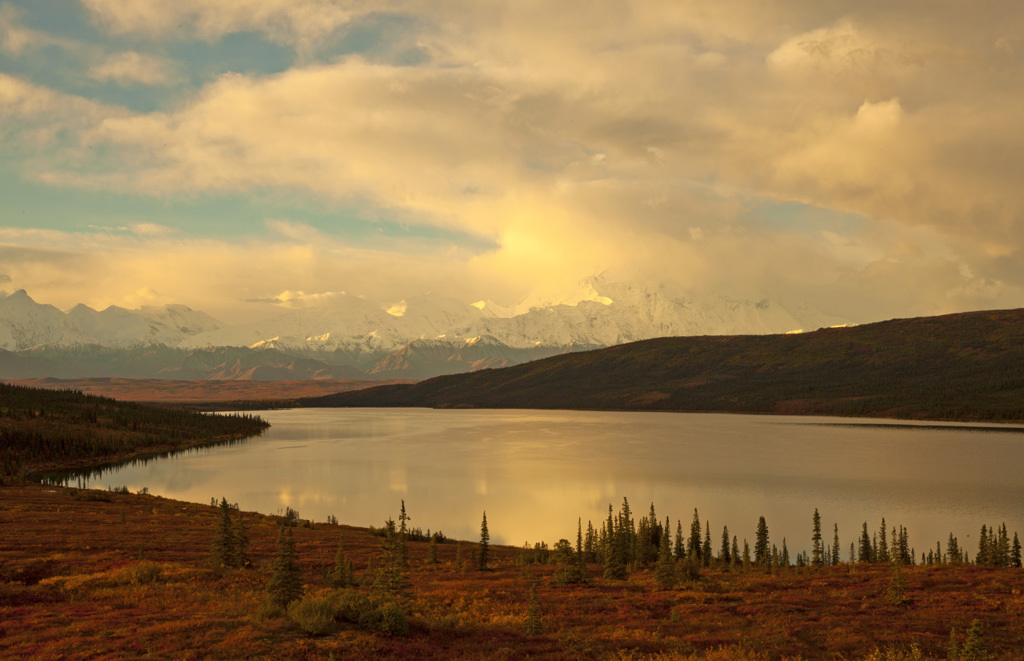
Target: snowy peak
(492, 310)
(25, 323)
(597, 311)
(590, 289)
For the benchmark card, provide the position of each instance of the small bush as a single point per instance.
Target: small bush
(391, 619)
(356, 608)
(350, 605)
(314, 615)
(141, 573)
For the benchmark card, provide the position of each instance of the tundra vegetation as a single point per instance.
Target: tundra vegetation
(113, 574)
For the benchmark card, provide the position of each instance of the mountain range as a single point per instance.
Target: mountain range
(967, 366)
(347, 336)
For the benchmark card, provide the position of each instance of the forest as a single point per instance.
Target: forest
(62, 430)
(966, 367)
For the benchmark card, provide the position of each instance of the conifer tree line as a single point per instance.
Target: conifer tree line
(623, 544)
(56, 427)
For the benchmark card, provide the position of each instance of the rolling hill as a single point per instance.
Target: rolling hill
(967, 366)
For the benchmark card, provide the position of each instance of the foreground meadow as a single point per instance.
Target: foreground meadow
(102, 575)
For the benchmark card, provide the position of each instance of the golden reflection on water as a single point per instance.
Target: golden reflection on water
(536, 472)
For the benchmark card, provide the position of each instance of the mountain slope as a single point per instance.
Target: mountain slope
(965, 366)
(163, 362)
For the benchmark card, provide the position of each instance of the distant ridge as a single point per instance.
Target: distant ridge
(967, 366)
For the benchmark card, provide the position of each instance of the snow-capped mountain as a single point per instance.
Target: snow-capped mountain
(347, 322)
(25, 323)
(420, 336)
(597, 311)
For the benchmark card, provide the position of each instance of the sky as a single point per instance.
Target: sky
(239, 155)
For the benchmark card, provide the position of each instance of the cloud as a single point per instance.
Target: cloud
(648, 136)
(16, 39)
(151, 229)
(299, 23)
(297, 299)
(838, 49)
(131, 68)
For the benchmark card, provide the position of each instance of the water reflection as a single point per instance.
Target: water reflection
(536, 471)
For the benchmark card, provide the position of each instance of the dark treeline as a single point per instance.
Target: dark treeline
(64, 429)
(624, 543)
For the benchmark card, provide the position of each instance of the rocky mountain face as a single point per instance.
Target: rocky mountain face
(352, 337)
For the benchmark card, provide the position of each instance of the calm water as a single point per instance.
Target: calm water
(535, 472)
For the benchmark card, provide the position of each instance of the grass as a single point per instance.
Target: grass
(131, 578)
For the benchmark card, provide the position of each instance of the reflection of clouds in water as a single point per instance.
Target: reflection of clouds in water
(536, 472)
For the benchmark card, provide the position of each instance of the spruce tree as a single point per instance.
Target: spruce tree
(403, 532)
(746, 555)
(432, 550)
(835, 544)
(974, 647)
(706, 548)
(285, 584)
(1015, 559)
(223, 549)
(817, 550)
(340, 575)
(615, 555)
(1003, 547)
(761, 547)
(724, 556)
(242, 559)
(864, 552)
(485, 542)
(735, 551)
(580, 574)
(680, 546)
(694, 546)
(590, 543)
(883, 547)
(983, 546)
(665, 573)
(391, 579)
(627, 533)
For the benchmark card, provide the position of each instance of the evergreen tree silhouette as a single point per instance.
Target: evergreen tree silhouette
(285, 584)
(835, 543)
(864, 551)
(485, 541)
(242, 559)
(432, 550)
(665, 573)
(224, 549)
(761, 548)
(340, 574)
(391, 578)
(817, 550)
(694, 546)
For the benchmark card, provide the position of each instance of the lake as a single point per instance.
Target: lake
(535, 472)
